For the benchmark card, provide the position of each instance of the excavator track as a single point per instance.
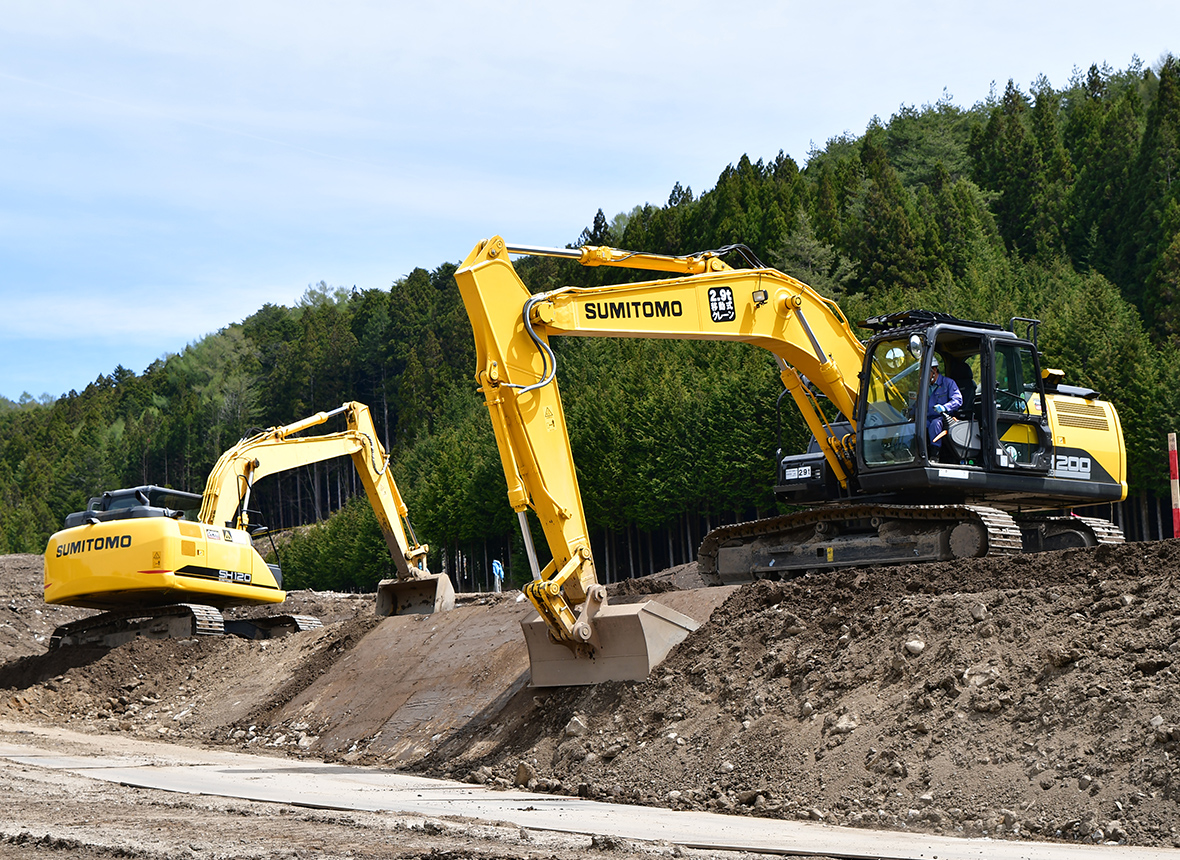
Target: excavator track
(111, 629)
(271, 627)
(789, 545)
(1047, 533)
(181, 621)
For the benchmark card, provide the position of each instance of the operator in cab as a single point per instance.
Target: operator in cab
(944, 397)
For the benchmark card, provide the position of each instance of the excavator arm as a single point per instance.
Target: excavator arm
(279, 449)
(705, 300)
(807, 334)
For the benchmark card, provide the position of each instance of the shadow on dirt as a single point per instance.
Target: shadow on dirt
(28, 671)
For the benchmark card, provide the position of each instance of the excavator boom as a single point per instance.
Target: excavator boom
(568, 645)
(1006, 444)
(279, 449)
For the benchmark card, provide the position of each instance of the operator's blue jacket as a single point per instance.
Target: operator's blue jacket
(943, 392)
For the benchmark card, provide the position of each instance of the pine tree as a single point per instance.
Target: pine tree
(884, 239)
(1006, 160)
(1155, 194)
(597, 234)
(1105, 145)
(1054, 180)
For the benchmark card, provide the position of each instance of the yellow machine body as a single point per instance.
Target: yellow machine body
(156, 561)
(1006, 452)
(1087, 437)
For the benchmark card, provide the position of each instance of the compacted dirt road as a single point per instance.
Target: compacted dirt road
(1031, 697)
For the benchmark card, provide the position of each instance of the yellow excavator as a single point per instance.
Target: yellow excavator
(162, 562)
(895, 472)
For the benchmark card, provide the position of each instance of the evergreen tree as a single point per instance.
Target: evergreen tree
(1007, 161)
(1155, 192)
(883, 237)
(1054, 180)
(1106, 139)
(597, 234)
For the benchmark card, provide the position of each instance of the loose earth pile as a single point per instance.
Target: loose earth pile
(1030, 697)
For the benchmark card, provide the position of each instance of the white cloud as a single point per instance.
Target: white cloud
(204, 158)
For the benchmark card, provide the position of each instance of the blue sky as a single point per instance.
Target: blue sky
(169, 168)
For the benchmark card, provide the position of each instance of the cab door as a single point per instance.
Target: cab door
(1014, 410)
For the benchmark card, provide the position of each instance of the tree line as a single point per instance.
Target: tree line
(1059, 204)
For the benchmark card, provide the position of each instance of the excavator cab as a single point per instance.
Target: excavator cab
(136, 502)
(959, 435)
(1011, 430)
(992, 436)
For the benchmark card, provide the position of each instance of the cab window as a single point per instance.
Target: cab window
(1023, 441)
(894, 380)
(1016, 380)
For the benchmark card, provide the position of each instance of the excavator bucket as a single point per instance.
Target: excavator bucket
(634, 638)
(421, 596)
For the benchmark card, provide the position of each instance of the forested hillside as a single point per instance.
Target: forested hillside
(1059, 204)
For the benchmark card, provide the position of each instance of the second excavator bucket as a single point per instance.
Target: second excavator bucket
(634, 638)
(420, 596)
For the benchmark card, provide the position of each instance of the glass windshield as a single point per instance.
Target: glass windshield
(1019, 408)
(1016, 379)
(892, 393)
(176, 500)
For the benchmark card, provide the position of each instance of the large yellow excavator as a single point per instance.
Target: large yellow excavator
(894, 474)
(162, 563)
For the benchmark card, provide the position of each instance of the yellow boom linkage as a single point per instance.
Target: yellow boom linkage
(515, 372)
(279, 449)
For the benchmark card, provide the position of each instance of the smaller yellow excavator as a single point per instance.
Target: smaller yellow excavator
(162, 562)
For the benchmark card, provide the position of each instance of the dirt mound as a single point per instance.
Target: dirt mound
(26, 621)
(1031, 696)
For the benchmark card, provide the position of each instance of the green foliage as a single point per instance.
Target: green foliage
(1008, 161)
(345, 553)
(1151, 255)
(1057, 204)
(923, 143)
(803, 255)
(886, 237)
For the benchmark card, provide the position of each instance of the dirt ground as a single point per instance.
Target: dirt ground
(1030, 697)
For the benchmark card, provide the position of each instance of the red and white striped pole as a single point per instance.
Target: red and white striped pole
(1175, 485)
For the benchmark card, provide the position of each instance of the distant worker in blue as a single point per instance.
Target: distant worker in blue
(944, 397)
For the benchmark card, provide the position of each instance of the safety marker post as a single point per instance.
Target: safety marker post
(1175, 485)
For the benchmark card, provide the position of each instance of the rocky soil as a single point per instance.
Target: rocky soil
(57, 814)
(1032, 697)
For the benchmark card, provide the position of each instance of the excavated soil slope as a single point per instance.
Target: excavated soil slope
(1031, 696)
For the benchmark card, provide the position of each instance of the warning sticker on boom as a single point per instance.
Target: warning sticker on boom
(721, 306)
